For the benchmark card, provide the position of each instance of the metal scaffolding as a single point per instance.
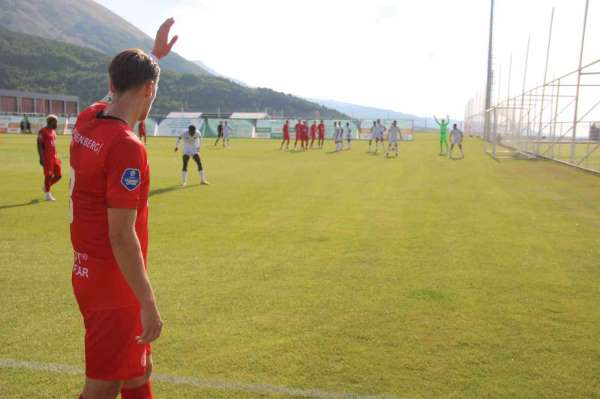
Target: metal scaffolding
(550, 121)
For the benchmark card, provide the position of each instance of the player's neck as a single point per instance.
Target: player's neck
(125, 108)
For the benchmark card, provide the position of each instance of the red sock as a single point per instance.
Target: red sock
(47, 183)
(141, 392)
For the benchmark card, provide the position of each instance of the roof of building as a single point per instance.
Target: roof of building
(249, 115)
(44, 96)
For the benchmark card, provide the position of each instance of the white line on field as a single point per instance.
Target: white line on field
(203, 383)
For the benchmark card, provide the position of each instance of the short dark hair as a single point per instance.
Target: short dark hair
(132, 68)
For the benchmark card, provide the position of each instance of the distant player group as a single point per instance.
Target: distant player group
(304, 135)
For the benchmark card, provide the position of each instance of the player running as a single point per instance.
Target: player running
(109, 186)
(348, 134)
(286, 136)
(191, 148)
(46, 146)
(313, 134)
(220, 134)
(321, 129)
(393, 140)
(456, 138)
(443, 124)
(142, 130)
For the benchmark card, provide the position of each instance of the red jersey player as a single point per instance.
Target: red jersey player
(298, 134)
(305, 133)
(142, 130)
(109, 229)
(46, 144)
(286, 136)
(313, 133)
(321, 129)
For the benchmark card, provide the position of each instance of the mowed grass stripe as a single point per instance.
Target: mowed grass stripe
(417, 276)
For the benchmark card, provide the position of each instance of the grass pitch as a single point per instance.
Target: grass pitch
(417, 277)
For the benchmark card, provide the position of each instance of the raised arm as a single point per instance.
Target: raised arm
(162, 44)
(436, 120)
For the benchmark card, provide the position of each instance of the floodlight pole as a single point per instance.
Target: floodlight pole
(490, 76)
(545, 79)
(576, 116)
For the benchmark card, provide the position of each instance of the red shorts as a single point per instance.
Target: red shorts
(111, 350)
(286, 137)
(52, 168)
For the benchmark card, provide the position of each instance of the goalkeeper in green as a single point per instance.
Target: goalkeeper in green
(443, 124)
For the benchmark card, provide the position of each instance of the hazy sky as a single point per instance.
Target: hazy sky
(417, 56)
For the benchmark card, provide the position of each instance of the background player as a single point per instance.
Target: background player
(109, 229)
(443, 133)
(373, 134)
(226, 134)
(348, 135)
(393, 140)
(339, 136)
(456, 138)
(305, 134)
(313, 133)
(220, 133)
(379, 137)
(191, 148)
(142, 131)
(321, 129)
(298, 134)
(46, 145)
(286, 136)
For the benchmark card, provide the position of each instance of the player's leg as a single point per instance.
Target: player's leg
(97, 389)
(462, 153)
(200, 169)
(184, 173)
(349, 144)
(451, 150)
(141, 387)
(370, 142)
(56, 172)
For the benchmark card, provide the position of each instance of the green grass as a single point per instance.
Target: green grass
(416, 277)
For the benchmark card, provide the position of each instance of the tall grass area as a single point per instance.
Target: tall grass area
(416, 277)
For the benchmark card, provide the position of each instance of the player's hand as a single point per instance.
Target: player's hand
(151, 324)
(162, 45)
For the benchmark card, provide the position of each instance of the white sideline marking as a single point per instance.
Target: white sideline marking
(203, 383)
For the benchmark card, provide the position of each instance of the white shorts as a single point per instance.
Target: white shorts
(456, 140)
(190, 151)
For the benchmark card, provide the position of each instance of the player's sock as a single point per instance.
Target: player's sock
(141, 392)
(202, 177)
(184, 178)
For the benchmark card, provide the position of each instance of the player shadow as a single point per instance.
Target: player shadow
(164, 190)
(32, 202)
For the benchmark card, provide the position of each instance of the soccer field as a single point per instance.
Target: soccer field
(326, 275)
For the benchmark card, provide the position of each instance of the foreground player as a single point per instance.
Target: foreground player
(46, 145)
(443, 124)
(109, 188)
(393, 140)
(191, 148)
(321, 134)
(456, 138)
(142, 131)
(286, 136)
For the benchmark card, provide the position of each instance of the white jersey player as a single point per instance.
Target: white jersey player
(393, 139)
(226, 134)
(456, 138)
(348, 135)
(191, 149)
(338, 136)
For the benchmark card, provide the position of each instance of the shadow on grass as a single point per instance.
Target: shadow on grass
(32, 202)
(164, 190)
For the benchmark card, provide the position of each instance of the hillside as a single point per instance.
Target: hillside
(34, 64)
(83, 23)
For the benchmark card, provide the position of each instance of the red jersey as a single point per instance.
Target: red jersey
(321, 130)
(313, 131)
(286, 130)
(142, 129)
(298, 128)
(109, 169)
(47, 137)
